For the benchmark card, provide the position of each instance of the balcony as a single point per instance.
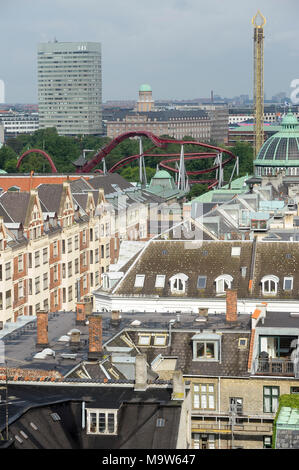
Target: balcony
(274, 366)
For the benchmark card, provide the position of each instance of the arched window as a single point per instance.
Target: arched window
(178, 282)
(269, 285)
(223, 282)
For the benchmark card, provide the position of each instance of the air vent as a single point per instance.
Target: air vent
(68, 356)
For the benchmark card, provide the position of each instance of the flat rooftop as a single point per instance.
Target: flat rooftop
(20, 338)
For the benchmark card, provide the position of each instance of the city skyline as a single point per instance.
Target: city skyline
(141, 46)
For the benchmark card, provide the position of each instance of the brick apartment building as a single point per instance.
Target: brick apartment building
(52, 252)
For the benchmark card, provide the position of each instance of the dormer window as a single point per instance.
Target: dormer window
(270, 285)
(101, 421)
(206, 347)
(178, 283)
(223, 282)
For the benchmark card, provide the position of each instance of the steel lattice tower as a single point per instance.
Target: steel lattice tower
(258, 22)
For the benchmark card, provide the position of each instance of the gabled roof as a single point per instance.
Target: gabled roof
(110, 182)
(50, 196)
(14, 206)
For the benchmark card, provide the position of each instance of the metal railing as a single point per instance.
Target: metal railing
(275, 366)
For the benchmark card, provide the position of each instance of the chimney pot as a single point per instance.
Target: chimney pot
(231, 305)
(115, 317)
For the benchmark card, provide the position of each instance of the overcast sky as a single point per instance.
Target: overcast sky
(182, 48)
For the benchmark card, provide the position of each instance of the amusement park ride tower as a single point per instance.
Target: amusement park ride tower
(258, 22)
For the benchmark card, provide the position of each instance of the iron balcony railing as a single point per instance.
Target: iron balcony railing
(275, 366)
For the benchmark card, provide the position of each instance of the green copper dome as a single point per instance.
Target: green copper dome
(161, 174)
(145, 87)
(280, 151)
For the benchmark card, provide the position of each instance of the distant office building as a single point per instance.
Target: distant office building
(70, 87)
(176, 124)
(19, 124)
(2, 92)
(145, 101)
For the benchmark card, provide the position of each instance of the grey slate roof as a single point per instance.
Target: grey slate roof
(234, 360)
(13, 206)
(50, 196)
(137, 417)
(106, 181)
(192, 258)
(212, 259)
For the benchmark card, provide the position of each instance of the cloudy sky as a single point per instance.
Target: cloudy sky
(182, 48)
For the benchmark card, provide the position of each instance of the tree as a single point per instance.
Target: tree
(8, 158)
(196, 190)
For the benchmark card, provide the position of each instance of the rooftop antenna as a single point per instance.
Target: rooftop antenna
(258, 22)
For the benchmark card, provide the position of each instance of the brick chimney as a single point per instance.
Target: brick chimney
(83, 308)
(140, 373)
(42, 329)
(80, 313)
(95, 336)
(231, 305)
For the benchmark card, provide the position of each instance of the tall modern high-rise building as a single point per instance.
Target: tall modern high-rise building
(70, 87)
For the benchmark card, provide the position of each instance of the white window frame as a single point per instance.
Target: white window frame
(160, 339)
(178, 280)
(160, 281)
(267, 280)
(99, 412)
(144, 339)
(21, 289)
(139, 280)
(223, 282)
(20, 263)
(288, 278)
(204, 396)
(205, 339)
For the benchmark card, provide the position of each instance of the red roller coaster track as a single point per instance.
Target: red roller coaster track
(42, 152)
(158, 142)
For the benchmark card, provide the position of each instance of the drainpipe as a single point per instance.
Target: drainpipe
(83, 415)
(171, 322)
